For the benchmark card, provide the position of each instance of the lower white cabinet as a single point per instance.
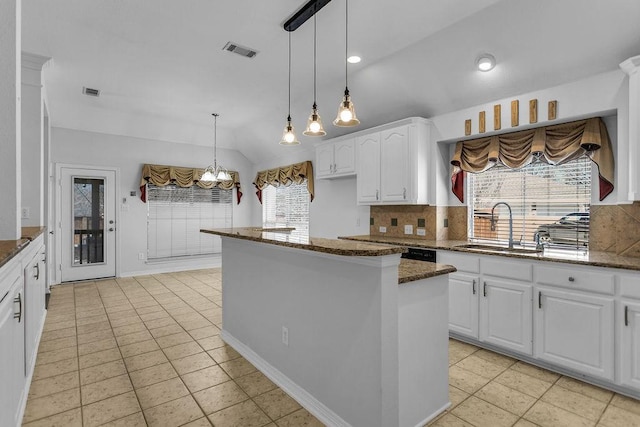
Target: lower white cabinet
(630, 343)
(12, 367)
(575, 330)
(463, 304)
(505, 314)
(34, 296)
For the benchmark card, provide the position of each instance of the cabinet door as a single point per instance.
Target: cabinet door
(368, 180)
(630, 343)
(575, 330)
(324, 160)
(463, 304)
(34, 290)
(395, 167)
(344, 157)
(505, 314)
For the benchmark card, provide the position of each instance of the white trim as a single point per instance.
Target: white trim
(300, 395)
(170, 266)
(434, 415)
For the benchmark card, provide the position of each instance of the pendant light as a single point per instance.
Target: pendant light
(215, 173)
(289, 134)
(346, 111)
(314, 123)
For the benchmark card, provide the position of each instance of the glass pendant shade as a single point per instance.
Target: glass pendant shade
(314, 124)
(346, 112)
(289, 134)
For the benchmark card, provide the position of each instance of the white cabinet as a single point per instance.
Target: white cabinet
(368, 180)
(575, 330)
(12, 367)
(392, 166)
(505, 313)
(628, 328)
(629, 346)
(34, 296)
(395, 183)
(336, 158)
(463, 304)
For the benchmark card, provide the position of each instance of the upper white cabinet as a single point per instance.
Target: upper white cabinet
(392, 165)
(336, 158)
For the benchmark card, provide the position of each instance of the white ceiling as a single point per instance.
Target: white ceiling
(162, 71)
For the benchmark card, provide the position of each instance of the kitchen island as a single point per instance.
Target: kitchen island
(338, 326)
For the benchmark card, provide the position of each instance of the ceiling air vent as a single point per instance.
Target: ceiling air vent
(240, 50)
(90, 92)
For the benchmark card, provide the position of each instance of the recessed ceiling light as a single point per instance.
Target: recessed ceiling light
(354, 59)
(486, 62)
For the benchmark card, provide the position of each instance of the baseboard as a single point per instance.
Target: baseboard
(434, 415)
(171, 266)
(305, 399)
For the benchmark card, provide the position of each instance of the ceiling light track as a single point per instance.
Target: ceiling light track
(304, 14)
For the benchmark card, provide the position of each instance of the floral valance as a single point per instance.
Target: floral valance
(161, 175)
(285, 175)
(554, 145)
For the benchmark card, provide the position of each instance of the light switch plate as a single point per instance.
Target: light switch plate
(408, 229)
(383, 229)
(420, 231)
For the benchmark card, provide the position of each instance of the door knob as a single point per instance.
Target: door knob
(110, 221)
(111, 229)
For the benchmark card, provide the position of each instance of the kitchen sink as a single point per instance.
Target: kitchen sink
(495, 248)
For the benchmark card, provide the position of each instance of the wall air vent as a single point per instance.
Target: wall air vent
(240, 50)
(90, 92)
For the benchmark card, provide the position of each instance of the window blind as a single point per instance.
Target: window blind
(551, 201)
(175, 216)
(286, 207)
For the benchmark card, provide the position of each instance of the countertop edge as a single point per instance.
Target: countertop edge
(628, 263)
(380, 250)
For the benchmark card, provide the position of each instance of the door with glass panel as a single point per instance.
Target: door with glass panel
(88, 223)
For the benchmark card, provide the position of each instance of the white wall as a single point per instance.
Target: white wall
(129, 154)
(604, 94)
(334, 211)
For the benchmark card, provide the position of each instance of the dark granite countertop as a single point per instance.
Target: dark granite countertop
(10, 248)
(592, 258)
(296, 240)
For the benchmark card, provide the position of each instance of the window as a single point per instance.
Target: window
(175, 216)
(286, 207)
(548, 202)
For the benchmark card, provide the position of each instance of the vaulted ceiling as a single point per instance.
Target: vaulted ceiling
(162, 71)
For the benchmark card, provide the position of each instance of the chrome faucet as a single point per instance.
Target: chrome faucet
(493, 222)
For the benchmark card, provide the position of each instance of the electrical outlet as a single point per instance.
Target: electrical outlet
(26, 213)
(383, 229)
(420, 232)
(408, 229)
(285, 336)
(141, 256)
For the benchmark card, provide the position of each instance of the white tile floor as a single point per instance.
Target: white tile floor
(146, 351)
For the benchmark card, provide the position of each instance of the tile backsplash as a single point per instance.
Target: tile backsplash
(438, 222)
(613, 228)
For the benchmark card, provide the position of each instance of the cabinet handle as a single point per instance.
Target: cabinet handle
(404, 193)
(18, 315)
(572, 279)
(474, 286)
(539, 299)
(376, 194)
(626, 315)
(335, 168)
(484, 289)
(37, 268)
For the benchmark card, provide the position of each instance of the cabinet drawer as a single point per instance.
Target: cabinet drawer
(9, 273)
(577, 278)
(630, 285)
(467, 263)
(507, 268)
